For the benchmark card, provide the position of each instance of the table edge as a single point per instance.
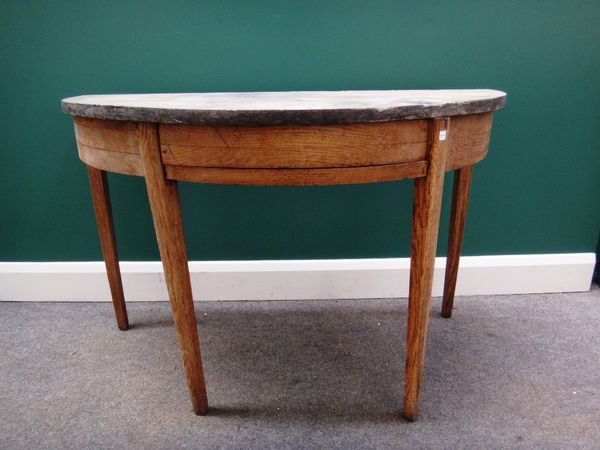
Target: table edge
(281, 117)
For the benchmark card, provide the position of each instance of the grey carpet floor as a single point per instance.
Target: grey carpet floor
(504, 372)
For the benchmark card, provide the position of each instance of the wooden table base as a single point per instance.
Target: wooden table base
(166, 212)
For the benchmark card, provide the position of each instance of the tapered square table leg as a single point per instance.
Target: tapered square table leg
(426, 217)
(166, 213)
(106, 232)
(458, 216)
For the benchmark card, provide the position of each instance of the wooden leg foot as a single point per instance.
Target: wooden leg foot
(460, 201)
(106, 232)
(426, 217)
(166, 213)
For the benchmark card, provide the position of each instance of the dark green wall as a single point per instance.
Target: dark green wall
(537, 192)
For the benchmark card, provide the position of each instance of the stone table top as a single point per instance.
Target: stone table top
(279, 108)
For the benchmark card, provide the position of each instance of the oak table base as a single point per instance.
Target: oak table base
(164, 151)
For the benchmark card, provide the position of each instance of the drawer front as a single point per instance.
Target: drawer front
(294, 146)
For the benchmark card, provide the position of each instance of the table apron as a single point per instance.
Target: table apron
(284, 155)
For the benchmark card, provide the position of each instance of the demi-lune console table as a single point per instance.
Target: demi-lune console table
(286, 139)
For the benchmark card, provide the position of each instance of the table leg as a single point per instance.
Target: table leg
(106, 232)
(426, 217)
(166, 213)
(460, 200)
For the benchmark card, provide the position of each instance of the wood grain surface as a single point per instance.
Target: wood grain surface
(185, 149)
(426, 217)
(108, 242)
(468, 140)
(458, 216)
(109, 135)
(294, 146)
(297, 177)
(123, 163)
(166, 213)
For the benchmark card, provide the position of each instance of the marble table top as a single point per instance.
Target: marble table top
(278, 108)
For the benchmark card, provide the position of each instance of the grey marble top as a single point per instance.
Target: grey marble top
(276, 108)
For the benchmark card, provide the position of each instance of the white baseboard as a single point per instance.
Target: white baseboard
(296, 279)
